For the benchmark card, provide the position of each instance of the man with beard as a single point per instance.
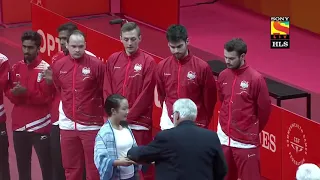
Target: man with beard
(244, 112)
(4, 144)
(184, 75)
(31, 94)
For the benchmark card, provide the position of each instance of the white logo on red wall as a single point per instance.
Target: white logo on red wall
(37, 2)
(50, 43)
(268, 141)
(297, 144)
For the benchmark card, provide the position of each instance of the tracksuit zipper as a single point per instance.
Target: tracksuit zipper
(178, 89)
(25, 127)
(230, 108)
(73, 93)
(126, 77)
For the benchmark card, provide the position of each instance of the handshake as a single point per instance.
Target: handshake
(124, 162)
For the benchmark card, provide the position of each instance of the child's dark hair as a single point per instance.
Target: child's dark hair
(112, 102)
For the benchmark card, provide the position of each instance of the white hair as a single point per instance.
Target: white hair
(308, 171)
(187, 109)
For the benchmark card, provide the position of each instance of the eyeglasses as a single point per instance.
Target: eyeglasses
(174, 113)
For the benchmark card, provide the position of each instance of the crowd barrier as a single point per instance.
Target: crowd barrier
(302, 14)
(17, 11)
(160, 14)
(287, 141)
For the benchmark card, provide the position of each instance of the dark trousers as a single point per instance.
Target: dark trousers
(58, 170)
(4, 153)
(23, 142)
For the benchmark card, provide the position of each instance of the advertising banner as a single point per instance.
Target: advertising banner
(300, 143)
(271, 146)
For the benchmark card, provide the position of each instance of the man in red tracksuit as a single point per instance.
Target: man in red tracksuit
(58, 172)
(183, 75)
(79, 79)
(4, 144)
(130, 73)
(244, 112)
(31, 95)
(64, 32)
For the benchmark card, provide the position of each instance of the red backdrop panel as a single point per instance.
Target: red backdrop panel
(10, 9)
(68, 8)
(300, 143)
(71, 8)
(102, 45)
(271, 144)
(46, 23)
(160, 14)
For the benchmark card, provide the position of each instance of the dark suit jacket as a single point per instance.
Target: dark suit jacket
(186, 152)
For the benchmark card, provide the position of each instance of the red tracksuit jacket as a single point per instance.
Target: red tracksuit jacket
(80, 83)
(190, 78)
(56, 100)
(31, 111)
(4, 77)
(132, 76)
(246, 104)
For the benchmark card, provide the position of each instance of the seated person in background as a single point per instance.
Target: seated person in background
(113, 142)
(308, 171)
(186, 151)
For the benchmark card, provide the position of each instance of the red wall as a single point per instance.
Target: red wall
(303, 14)
(16, 11)
(158, 13)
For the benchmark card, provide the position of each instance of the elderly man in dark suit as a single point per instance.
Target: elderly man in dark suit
(185, 152)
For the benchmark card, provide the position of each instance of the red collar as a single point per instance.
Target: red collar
(79, 59)
(241, 69)
(134, 55)
(34, 63)
(185, 59)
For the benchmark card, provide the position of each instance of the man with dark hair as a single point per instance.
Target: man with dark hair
(130, 73)
(64, 32)
(79, 79)
(184, 75)
(31, 94)
(244, 112)
(4, 143)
